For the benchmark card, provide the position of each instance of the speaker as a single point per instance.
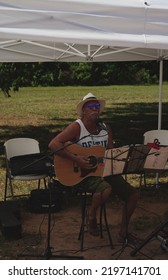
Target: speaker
(41, 199)
(10, 224)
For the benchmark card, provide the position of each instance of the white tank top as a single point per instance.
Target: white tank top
(100, 139)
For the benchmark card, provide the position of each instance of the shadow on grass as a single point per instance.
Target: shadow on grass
(128, 122)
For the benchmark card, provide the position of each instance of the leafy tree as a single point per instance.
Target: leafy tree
(15, 75)
(7, 77)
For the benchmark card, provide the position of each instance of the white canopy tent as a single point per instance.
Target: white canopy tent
(84, 30)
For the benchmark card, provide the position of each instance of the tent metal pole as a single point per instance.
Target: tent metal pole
(160, 106)
(160, 94)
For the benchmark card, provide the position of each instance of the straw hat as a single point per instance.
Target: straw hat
(86, 98)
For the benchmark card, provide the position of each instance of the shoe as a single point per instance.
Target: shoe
(93, 228)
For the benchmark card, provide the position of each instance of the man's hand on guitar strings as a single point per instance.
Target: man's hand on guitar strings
(83, 162)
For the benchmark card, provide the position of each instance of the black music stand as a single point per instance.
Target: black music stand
(126, 243)
(48, 254)
(125, 160)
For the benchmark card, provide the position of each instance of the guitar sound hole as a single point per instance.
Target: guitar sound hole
(92, 161)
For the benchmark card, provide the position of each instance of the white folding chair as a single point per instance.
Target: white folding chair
(20, 147)
(159, 136)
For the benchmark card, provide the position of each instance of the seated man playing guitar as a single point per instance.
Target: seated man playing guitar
(91, 138)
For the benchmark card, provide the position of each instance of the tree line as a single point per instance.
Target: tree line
(16, 75)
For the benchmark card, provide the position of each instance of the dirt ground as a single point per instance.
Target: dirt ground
(65, 224)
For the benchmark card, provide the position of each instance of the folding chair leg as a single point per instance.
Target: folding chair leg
(45, 184)
(39, 184)
(6, 187)
(11, 188)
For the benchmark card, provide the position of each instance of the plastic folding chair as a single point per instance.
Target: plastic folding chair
(20, 152)
(159, 137)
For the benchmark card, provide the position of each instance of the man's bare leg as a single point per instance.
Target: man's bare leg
(97, 200)
(127, 212)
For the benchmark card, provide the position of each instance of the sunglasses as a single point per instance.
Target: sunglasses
(91, 106)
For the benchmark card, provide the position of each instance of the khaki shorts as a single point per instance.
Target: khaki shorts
(119, 186)
(93, 184)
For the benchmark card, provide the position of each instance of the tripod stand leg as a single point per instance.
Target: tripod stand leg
(48, 251)
(149, 237)
(125, 243)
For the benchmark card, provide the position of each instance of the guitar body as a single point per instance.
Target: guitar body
(67, 171)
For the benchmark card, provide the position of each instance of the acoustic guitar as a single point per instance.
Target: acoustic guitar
(70, 174)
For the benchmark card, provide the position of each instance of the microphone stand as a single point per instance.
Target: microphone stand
(48, 251)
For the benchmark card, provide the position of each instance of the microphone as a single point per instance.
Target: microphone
(102, 125)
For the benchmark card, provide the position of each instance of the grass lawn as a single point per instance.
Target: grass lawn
(42, 112)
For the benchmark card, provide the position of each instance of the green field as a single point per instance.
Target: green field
(42, 112)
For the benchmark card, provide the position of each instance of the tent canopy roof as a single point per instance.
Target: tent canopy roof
(83, 30)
